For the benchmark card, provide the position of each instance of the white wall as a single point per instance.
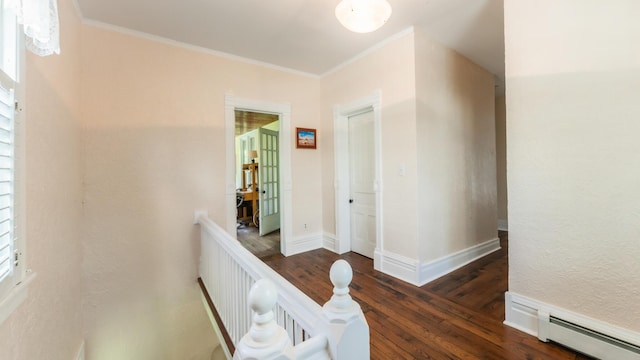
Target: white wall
(456, 192)
(438, 125)
(573, 79)
(48, 325)
(501, 160)
(133, 129)
(389, 69)
(154, 152)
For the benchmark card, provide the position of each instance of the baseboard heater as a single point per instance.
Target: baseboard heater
(585, 340)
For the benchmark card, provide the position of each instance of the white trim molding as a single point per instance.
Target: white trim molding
(368, 51)
(420, 273)
(221, 342)
(15, 297)
(398, 266)
(283, 110)
(190, 47)
(521, 313)
(503, 225)
(329, 242)
(78, 11)
(80, 355)
(304, 244)
(525, 314)
(341, 115)
(434, 269)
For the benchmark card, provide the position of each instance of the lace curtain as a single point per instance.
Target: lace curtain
(39, 19)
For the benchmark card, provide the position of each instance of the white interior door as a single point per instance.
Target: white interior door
(361, 183)
(269, 182)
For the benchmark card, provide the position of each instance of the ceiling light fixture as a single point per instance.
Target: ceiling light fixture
(363, 16)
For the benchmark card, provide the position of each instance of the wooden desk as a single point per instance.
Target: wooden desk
(250, 193)
(250, 205)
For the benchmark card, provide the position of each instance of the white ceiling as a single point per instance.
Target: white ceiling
(304, 35)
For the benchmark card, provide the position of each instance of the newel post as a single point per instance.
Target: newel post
(265, 340)
(345, 324)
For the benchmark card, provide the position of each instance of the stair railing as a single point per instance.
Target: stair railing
(286, 323)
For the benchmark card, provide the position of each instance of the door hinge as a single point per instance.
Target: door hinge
(16, 258)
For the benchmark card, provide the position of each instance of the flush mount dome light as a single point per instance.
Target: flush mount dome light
(363, 16)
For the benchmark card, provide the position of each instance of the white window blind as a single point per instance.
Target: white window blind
(7, 111)
(14, 281)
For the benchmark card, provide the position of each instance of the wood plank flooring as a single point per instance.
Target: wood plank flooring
(260, 246)
(458, 316)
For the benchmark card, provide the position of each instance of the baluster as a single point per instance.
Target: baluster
(226, 295)
(243, 298)
(236, 304)
(216, 276)
(297, 334)
(265, 340)
(279, 315)
(289, 326)
(344, 322)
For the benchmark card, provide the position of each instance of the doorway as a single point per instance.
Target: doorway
(358, 177)
(361, 179)
(276, 182)
(257, 182)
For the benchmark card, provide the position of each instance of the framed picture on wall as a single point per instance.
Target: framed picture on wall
(306, 138)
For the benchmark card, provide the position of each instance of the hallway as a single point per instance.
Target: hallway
(261, 246)
(458, 316)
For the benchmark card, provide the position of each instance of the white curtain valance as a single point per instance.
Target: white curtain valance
(39, 19)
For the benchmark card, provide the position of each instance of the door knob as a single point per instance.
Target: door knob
(350, 201)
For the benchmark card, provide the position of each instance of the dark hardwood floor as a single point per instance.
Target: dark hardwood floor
(458, 316)
(261, 246)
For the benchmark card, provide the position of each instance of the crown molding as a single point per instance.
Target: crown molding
(365, 53)
(200, 49)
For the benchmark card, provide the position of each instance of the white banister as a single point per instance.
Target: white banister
(312, 349)
(344, 323)
(232, 278)
(265, 339)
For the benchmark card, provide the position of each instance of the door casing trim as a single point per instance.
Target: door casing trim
(341, 114)
(283, 110)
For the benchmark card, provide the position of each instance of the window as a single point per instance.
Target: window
(7, 208)
(12, 273)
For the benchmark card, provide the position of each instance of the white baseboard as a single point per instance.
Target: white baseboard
(503, 225)
(15, 296)
(304, 244)
(398, 266)
(80, 355)
(522, 314)
(416, 273)
(432, 270)
(329, 242)
(377, 259)
(216, 329)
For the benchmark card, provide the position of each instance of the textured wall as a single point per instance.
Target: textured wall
(437, 121)
(501, 157)
(155, 151)
(48, 325)
(456, 193)
(574, 156)
(391, 70)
